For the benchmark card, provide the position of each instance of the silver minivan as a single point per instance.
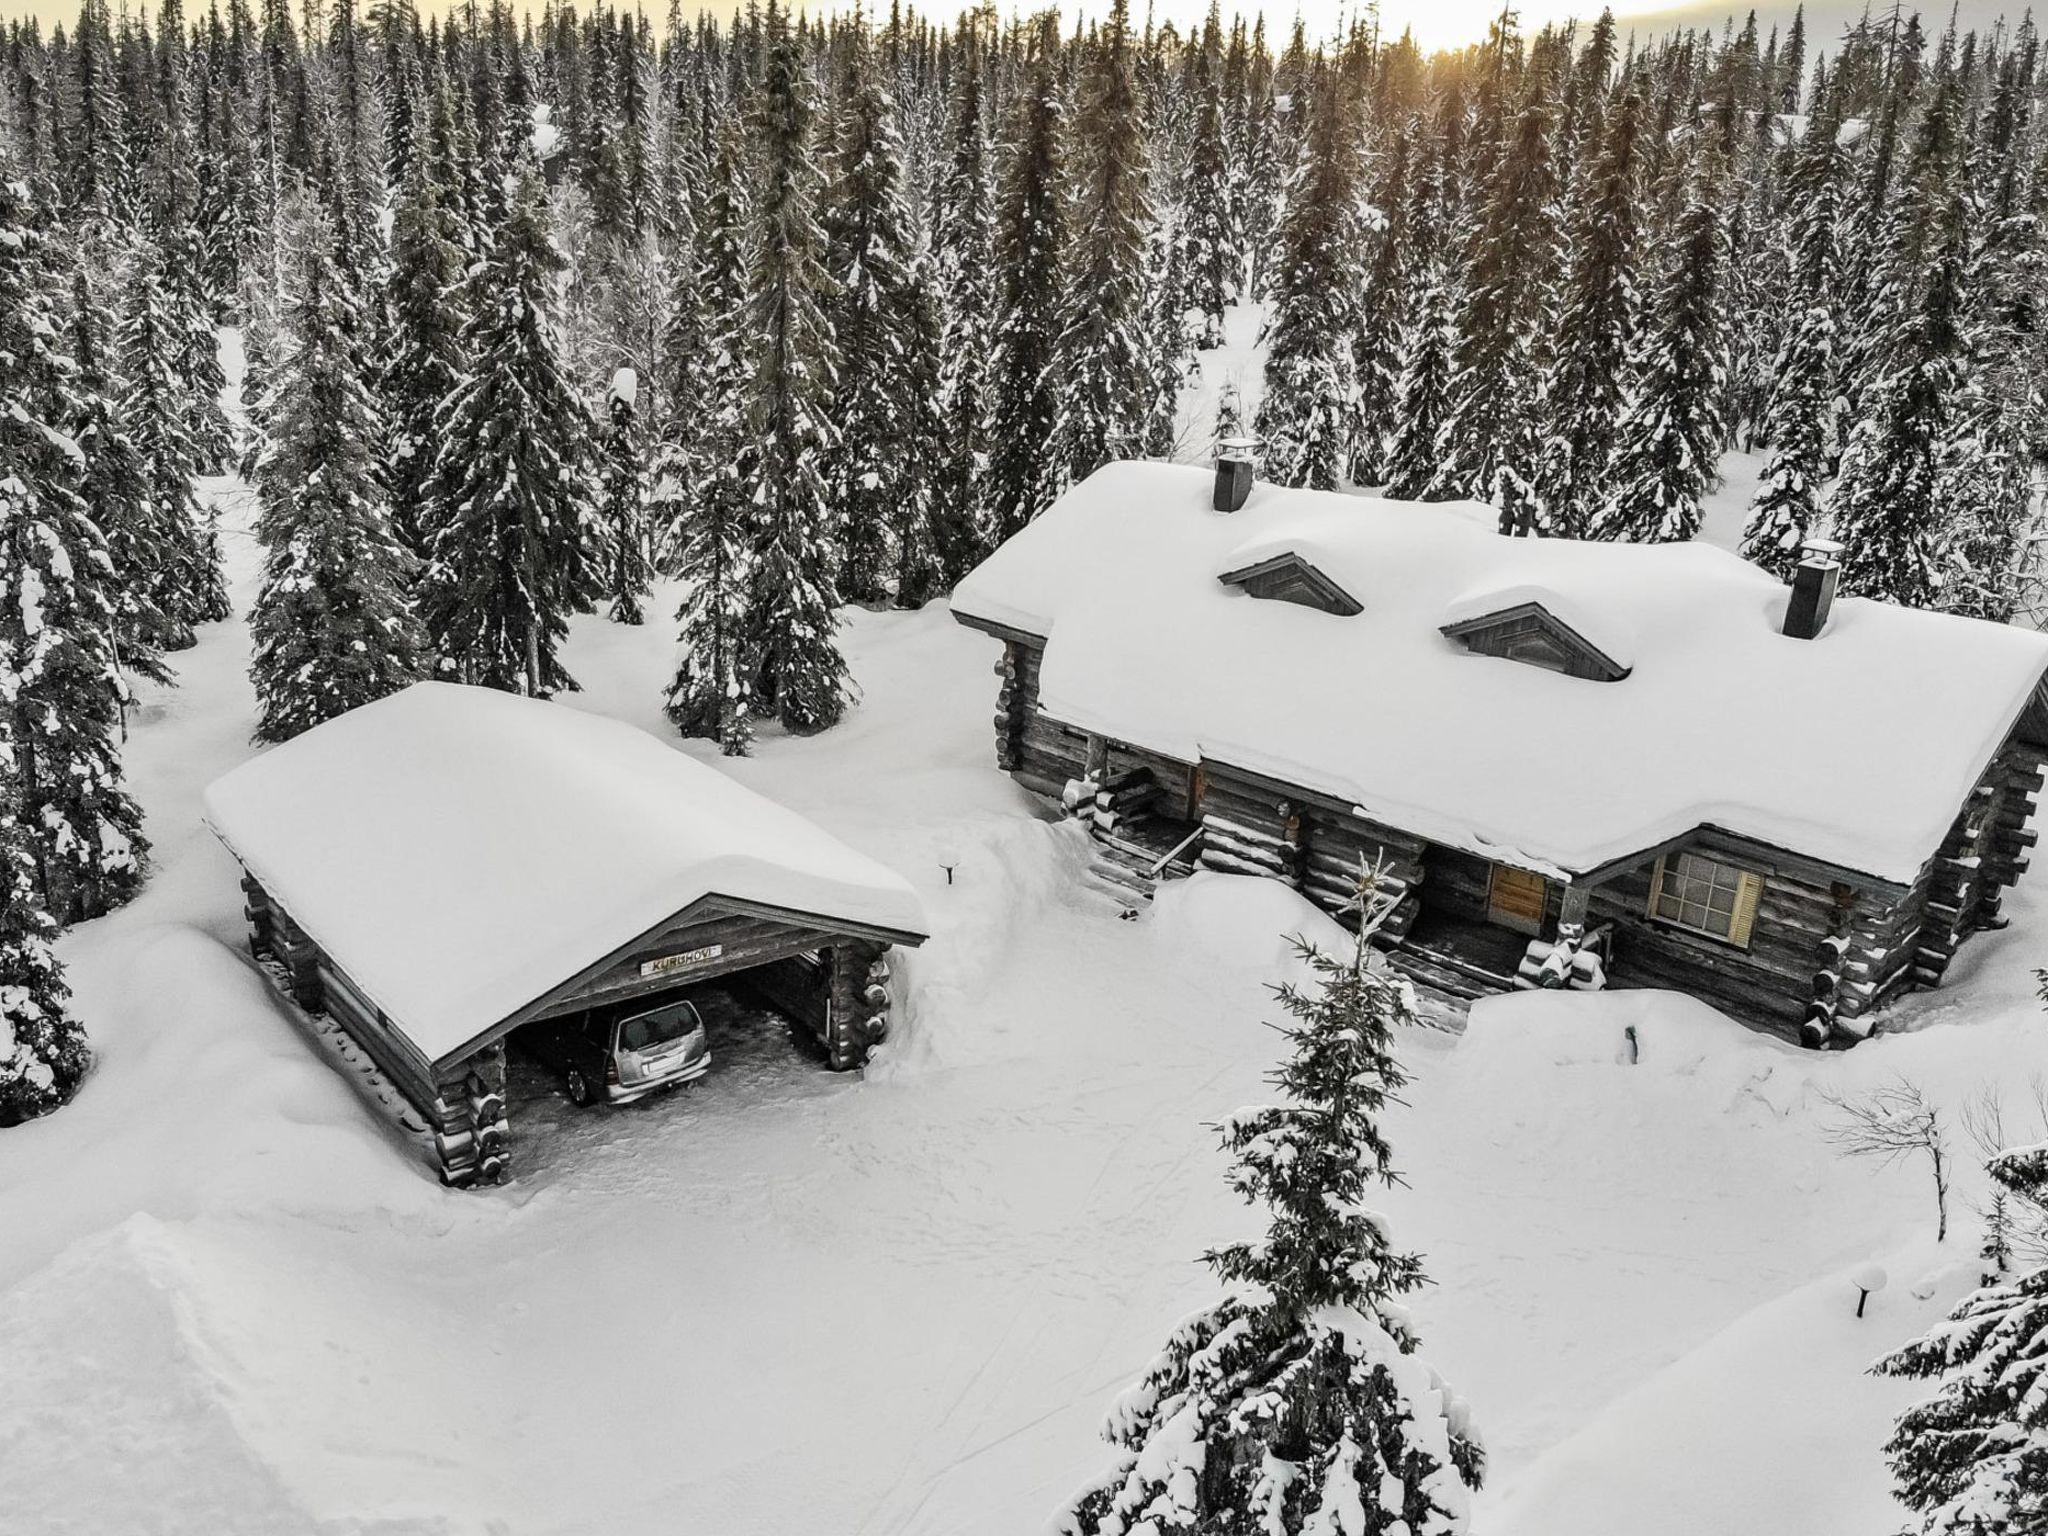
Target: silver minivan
(613, 1055)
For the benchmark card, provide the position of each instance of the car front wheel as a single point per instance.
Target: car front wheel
(580, 1092)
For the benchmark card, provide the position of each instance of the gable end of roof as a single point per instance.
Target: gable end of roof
(1290, 578)
(1491, 634)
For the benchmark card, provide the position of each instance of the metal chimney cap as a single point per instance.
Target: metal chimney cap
(1826, 550)
(1243, 447)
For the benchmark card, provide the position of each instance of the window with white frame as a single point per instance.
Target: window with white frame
(1706, 895)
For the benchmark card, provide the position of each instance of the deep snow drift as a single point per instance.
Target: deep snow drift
(231, 1301)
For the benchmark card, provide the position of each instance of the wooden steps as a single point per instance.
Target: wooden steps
(1447, 974)
(1126, 868)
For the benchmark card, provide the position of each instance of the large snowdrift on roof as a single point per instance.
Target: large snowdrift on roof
(459, 852)
(1724, 721)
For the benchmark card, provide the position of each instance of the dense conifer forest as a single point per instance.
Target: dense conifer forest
(536, 306)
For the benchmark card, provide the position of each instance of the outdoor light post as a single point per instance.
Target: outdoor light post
(1869, 1278)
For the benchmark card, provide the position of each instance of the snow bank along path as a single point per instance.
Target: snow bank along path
(1722, 720)
(899, 1306)
(459, 852)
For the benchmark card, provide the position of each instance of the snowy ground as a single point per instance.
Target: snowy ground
(897, 1304)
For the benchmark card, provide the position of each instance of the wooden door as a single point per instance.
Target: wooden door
(1514, 899)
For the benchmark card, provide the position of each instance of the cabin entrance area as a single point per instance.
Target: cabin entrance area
(1145, 815)
(1475, 925)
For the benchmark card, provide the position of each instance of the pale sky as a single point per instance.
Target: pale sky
(1436, 23)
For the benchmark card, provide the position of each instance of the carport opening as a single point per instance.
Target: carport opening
(766, 1021)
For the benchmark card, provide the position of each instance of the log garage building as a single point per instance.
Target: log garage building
(439, 868)
(1581, 764)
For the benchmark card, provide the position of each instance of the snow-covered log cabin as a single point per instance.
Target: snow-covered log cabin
(1582, 764)
(447, 865)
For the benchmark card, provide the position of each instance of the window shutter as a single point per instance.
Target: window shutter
(1746, 898)
(1656, 886)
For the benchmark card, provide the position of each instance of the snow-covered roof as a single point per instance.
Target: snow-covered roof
(459, 852)
(1855, 749)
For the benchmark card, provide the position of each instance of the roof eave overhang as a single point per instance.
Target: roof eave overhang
(1000, 630)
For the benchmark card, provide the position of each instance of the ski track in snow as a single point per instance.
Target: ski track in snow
(898, 1304)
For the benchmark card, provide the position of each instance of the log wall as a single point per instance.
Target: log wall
(1770, 983)
(1254, 826)
(471, 1133)
(859, 1017)
(1041, 754)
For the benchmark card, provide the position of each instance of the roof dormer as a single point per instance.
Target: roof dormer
(1290, 578)
(1529, 632)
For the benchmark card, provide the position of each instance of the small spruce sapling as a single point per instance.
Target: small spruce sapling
(1297, 1403)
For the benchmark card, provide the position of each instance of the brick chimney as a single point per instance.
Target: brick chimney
(1237, 463)
(1814, 581)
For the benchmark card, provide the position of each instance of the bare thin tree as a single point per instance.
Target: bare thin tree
(1895, 1123)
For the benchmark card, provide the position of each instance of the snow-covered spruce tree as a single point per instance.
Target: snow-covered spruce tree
(1973, 1459)
(61, 687)
(1023, 476)
(508, 501)
(1985, 477)
(1166, 351)
(191, 312)
(963, 249)
(1305, 414)
(1507, 296)
(1415, 456)
(711, 694)
(1669, 443)
(115, 489)
(1297, 1403)
(1213, 272)
(1261, 162)
(927, 535)
(1380, 319)
(422, 360)
(886, 462)
(331, 628)
(43, 1053)
(701, 350)
(621, 503)
(1229, 421)
(1103, 390)
(701, 517)
(1588, 381)
(1895, 531)
(189, 587)
(788, 438)
(1801, 426)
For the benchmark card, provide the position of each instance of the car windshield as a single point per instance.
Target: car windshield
(670, 1023)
